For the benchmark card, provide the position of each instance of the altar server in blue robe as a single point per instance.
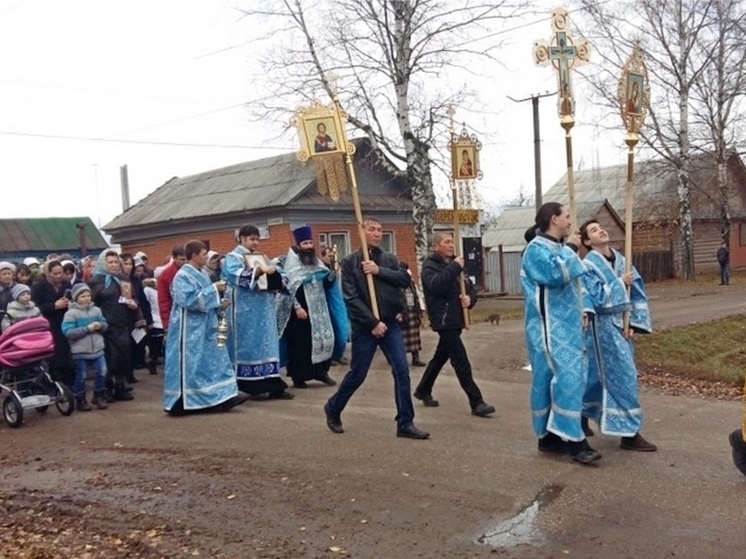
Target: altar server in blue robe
(611, 397)
(198, 373)
(253, 337)
(554, 321)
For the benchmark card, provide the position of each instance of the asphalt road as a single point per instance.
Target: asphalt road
(269, 480)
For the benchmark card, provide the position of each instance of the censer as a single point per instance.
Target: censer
(222, 328)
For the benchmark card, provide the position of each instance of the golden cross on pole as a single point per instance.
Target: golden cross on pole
(564, 54)
(456, 226)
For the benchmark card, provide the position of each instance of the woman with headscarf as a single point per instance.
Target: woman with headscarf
(51, 293)
(7, 281)
(112, 292)
(138, 293)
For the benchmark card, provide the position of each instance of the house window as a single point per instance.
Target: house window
(387, 242)
(206, 243)
(742, 234)
(341, 240)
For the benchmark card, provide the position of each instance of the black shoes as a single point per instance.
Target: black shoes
(333, 421)
(428, 400)
(418, 363)
(739, 450)
(637, 443)
(299, 384)
(237, 400)
(587, 431)
(151, 368)
(410, 432)
(327, 380)
(582, 452)
(552, 443)
(482, 409)
(283, 395)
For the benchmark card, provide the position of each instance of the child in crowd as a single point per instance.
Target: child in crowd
(155, 336)
(84, 325)
(21, 307)
(23, 274)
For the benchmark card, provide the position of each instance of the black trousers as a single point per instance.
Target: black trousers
(450, 347)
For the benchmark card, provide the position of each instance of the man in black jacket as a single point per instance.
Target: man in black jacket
(369, 332)
(445, 304)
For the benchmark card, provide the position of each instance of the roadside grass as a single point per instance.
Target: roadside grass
(712, 351)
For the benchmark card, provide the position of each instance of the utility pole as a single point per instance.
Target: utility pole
(537, 142)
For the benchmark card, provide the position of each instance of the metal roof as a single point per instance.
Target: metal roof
(264, 183)
(48, 234)
(272, 182)
(511, 225)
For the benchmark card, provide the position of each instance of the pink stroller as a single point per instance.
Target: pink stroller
(24, 349)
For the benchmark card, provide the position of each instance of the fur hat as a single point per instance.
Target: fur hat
(302, 234)
(18, 289)
(7, 266)
(79, 289)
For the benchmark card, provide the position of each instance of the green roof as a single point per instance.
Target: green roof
(50, 234)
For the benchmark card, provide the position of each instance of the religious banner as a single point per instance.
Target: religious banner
(465, 156)
(321, 131)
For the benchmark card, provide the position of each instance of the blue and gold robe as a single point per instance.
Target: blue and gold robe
(554, 336)
(611, 397)
(196, 369)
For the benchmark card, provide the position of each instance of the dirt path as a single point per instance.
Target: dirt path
(268, 480)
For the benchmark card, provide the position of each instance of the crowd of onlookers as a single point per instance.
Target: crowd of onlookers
(106, 313)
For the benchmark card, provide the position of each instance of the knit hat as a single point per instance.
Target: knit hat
(7, 266)
(30, 261)
(79, 289)
(18, 289)
(137, 261)
(302, 234)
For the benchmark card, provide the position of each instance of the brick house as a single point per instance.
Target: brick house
(276, 194)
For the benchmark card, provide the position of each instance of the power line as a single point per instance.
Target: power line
(145, 142)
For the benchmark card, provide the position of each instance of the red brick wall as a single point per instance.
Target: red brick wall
(280, 239)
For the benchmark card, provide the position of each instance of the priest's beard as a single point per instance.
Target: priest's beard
(307, 256)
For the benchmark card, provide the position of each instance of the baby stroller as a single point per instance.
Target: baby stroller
(24, 375)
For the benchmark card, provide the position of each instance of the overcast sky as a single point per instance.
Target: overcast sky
(88, 85)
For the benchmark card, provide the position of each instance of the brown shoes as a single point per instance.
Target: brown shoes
(637, 443)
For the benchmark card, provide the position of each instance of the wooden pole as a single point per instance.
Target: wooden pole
(358, 211)
(631, 141)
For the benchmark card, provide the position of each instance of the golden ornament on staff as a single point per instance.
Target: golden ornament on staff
(564, 54)
(634, 102)
(464, 167)
(323, 138)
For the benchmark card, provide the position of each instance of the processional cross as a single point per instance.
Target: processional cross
(564, 54)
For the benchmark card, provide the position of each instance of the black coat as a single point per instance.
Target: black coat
(442, 293)
(388, 285)
(44, 295)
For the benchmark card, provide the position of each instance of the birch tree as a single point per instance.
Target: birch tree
(392, 60)
(718, 92)
(670, 32)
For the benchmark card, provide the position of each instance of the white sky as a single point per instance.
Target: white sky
(138, 71)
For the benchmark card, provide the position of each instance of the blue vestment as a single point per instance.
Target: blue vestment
(554, 336)
(611, 397)
(327, 313)
(253, 339)
(196, 369)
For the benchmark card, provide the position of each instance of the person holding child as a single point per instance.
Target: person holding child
(84, 325)
(20, 308)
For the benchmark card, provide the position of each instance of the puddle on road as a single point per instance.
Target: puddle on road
(520, 529)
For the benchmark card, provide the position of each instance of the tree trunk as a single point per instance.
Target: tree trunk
(423, 198)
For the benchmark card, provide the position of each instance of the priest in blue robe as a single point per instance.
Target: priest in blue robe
(554, 321)
(198, 374)
(311, 314)
(611, 397)
(253, 337)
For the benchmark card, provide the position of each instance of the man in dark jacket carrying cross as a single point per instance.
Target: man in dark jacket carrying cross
(440, 283)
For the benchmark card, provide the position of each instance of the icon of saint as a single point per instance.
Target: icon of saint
(323, 141)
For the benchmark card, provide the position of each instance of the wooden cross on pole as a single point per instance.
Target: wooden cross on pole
(564, 54)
